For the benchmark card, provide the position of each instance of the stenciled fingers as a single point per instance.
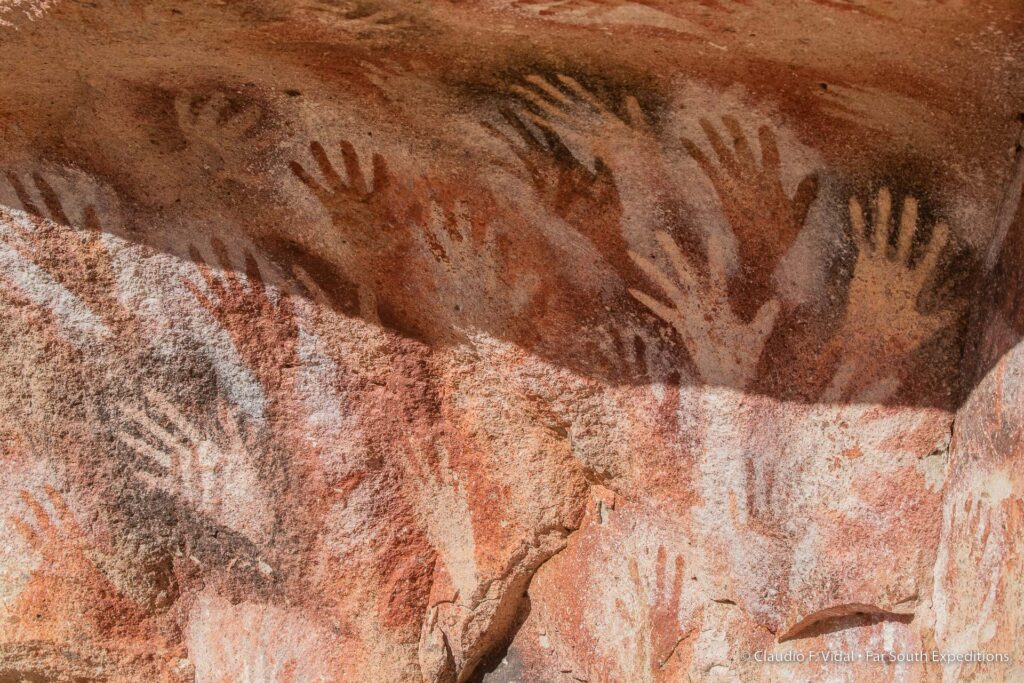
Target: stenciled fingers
(933, 252)
(883, 215)
(907, 229)
(858, 226)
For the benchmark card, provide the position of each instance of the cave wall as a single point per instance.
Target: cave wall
(510, 340)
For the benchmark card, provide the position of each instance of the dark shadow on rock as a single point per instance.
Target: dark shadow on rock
(504, 664)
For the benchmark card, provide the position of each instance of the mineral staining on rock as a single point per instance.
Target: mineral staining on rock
(510, 340)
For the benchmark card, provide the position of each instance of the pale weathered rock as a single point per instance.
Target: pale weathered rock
(511, 340)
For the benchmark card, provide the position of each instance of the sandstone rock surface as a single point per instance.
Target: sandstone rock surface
(511, 340)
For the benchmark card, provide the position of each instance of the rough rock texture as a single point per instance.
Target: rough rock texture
(510, 340)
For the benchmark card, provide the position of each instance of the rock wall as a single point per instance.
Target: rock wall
(511, 340)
